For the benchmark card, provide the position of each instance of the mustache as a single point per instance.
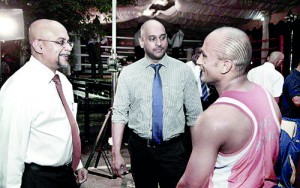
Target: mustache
(159, 48)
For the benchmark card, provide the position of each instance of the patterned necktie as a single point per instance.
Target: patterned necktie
(74, 127)
(157, 106)
(204, 89)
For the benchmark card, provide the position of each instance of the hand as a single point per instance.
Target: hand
(81, 175)
(119, 165)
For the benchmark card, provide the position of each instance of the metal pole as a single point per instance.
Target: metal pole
(0, 66)
(265, 38)
(113, 65)
(113, 69)
(291, 47)
(114, 27)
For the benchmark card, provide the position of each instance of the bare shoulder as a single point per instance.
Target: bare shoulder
(219, 123)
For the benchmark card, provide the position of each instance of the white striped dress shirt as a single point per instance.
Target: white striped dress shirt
(133, 99)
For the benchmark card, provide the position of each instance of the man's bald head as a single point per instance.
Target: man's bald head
(150, 24)
(44, 29)
(232, 44)
(276, 58)
(49, 42)
(154, 40)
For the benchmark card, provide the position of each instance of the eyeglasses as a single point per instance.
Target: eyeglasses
(62, 43)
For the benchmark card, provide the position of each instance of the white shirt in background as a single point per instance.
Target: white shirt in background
(268, 77)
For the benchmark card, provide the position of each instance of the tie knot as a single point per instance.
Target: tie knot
(156, 67)
(56, 79)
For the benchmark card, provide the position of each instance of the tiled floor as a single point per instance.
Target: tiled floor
(98, 181)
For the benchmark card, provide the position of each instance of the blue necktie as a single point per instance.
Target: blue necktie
(204, 89)
(157, 106)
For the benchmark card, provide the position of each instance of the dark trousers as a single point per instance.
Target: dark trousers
(36, 176)
(163, 165)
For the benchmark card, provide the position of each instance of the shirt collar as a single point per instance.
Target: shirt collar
(164, 61)
(43, 72)
(268, 64)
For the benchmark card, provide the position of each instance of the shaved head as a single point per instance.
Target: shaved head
(154, 40)
(49, 43)
(150, 24)
(44, 29)
(232, 44)
(276, 58)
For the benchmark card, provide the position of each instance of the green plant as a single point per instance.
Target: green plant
(71, 13)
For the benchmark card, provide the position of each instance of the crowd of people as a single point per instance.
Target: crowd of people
(239, 137)
(242, 104)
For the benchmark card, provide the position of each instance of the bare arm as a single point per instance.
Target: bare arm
(118, 161)
(201, 164)
(296, 101)
(213, 134)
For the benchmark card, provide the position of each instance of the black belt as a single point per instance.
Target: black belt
(36, 167)
(150, 143)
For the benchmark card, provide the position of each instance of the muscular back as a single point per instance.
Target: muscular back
(234, 132)
(255, 124)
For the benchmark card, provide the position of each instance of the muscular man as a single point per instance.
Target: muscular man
(235, 141)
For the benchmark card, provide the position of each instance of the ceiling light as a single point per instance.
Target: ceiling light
(148, 12)
(11, 24)
(290, 18)
(160, 2)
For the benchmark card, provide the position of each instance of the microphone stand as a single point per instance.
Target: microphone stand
(113, 69)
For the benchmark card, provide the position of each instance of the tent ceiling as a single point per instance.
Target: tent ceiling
(201, 16)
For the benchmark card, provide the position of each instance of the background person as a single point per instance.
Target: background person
(176, 42)
(35, 132)
(267, 76)
(94, 52)
(155, 158)
(230, 148)
(290, 134)
(208, 96)
(138, 50)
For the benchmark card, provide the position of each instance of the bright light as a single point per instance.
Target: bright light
(8, 26)
(160, 2)
(261, 16)
(148, 12)
(11, 24)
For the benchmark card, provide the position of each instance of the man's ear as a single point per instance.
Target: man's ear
(37, 46)
(141, 42)
(226, 66)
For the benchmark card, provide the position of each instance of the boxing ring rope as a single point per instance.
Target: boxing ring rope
(266, 50)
